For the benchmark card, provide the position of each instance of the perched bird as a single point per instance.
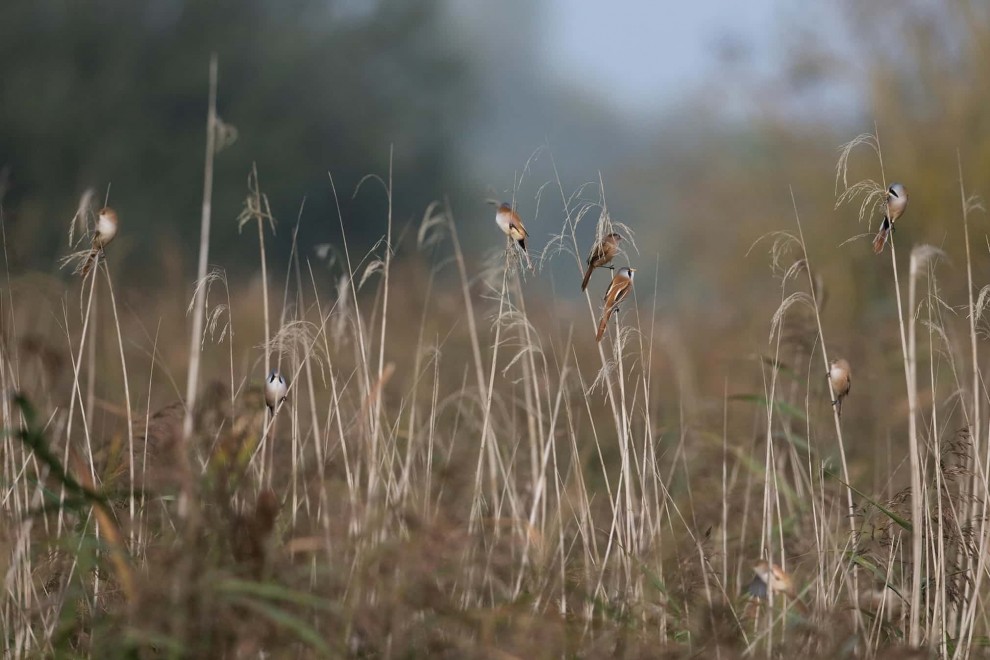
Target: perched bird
(601, 255)
(275, 389)
(840, 375)
(106, 229)
(618, 289)
(897, 199)
(511, 224)
(773, 578)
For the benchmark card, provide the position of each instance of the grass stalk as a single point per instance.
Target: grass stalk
(914, 454)
(199, 307)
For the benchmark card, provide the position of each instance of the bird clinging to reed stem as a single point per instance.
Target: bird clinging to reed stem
(601, 255)
(103, 233)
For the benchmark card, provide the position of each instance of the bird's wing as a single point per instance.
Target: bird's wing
(623, 289)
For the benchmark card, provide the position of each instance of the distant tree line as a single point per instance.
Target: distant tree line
(114, 93)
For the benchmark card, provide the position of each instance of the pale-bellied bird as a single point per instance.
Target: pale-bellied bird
(103, 233)
(276, 388)
(601, 255)
(618, 289)
(772, 578)
(840, 375)
(511, 225)
(897, 199)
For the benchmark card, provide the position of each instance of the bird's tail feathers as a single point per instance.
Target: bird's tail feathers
(603, 324)
(587, 277)
(522, 244)
(881, 238)
(90, 261)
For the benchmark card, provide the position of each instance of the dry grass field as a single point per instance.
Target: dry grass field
(459, 470)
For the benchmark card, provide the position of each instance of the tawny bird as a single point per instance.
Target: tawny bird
(276, 388)
(897, 199)
(618, 289)
(773, 578)
(840, 375)
(103, 233)
(511, 224)
(601, 255)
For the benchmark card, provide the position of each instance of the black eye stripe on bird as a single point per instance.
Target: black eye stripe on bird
(275, 392)
(897, 199)
(618, 288)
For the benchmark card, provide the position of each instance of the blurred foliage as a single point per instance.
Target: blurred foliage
(114, 93)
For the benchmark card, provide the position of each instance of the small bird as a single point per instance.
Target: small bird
(840, 375)
(618, 289)
(106, 229)
(601, 255)
(275, 389)
(511, 224)
(770, 577)
(897, 199)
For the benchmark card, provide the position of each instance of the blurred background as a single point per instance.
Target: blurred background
(698, 119)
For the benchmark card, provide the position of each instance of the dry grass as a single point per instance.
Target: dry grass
(460, 471)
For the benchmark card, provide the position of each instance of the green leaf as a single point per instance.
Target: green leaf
(287, 620)
(33, 436)
(780, 366)
(272, 591)
(136, 637)
(795, 439)
(887, 512)
(782, 407)
(878, 574)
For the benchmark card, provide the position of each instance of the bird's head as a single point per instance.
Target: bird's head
(897, 191)
(897, 199)
(107, 213)
(773, 576)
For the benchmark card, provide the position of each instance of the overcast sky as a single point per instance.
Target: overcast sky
(643, 54)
